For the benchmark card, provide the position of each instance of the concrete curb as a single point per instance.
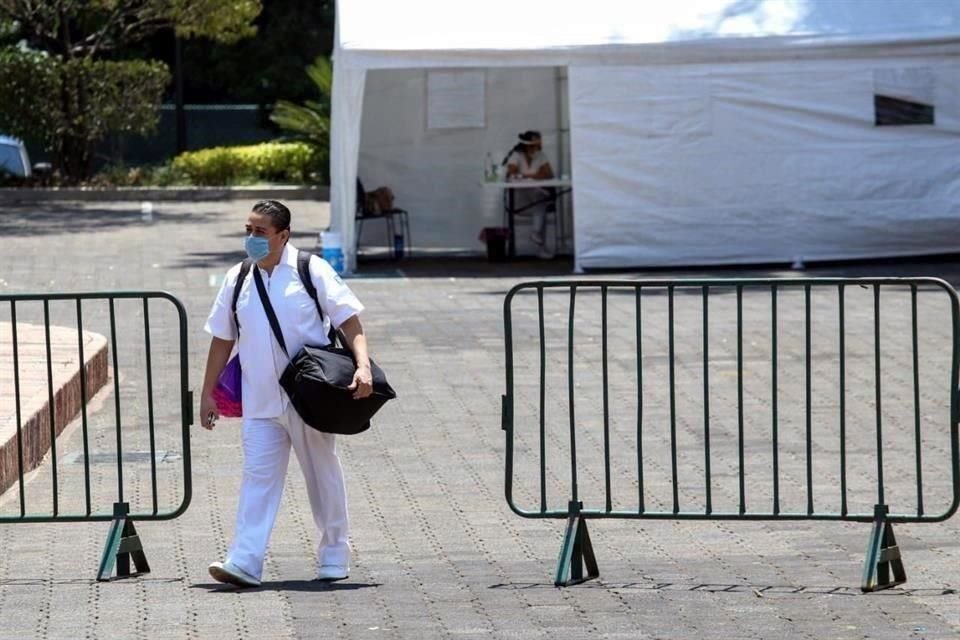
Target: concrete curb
(34, 391)
(171, 194)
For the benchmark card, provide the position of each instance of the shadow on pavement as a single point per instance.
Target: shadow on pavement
(757, 590)
(946, 267)
(286, 585)
(130, 580)
(462, 267)
(59, 217)
(212, 259)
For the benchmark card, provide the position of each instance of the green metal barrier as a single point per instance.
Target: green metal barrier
(105, 454)
(747, 330)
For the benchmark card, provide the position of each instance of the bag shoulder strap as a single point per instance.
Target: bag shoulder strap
(244, 270)
(303, 270)
(271, 314)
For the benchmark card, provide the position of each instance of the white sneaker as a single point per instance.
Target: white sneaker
(536, 237)
(333, 572)
(545, 254)
(232, 574)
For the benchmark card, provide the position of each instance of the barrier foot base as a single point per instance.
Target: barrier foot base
(883, 555)
(576, 553)
(123, 544)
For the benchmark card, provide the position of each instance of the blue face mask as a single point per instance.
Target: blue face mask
(257, 247)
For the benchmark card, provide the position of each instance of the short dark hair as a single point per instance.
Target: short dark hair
(277, 212)
(530, 136)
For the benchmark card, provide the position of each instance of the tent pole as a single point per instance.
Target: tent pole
(562, 144)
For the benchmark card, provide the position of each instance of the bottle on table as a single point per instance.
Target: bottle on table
(490, 169)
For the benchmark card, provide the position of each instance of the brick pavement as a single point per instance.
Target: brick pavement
(437, 552)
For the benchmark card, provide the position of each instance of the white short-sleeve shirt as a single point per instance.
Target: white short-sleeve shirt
(533, 165)
(261, 358)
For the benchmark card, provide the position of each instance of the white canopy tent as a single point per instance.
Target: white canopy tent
(700, 131)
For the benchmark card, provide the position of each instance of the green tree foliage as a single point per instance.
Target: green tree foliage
(87, 28)
(30, 96)
(69, 105)
(290, 34)
(71, 84)
(310, 121)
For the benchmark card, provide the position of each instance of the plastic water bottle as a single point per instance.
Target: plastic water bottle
(490, 169)
(332, 249)
(398, 245)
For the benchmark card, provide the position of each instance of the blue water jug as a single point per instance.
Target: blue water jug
(334, 255)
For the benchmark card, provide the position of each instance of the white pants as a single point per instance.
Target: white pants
(536, 212)
(266, 451)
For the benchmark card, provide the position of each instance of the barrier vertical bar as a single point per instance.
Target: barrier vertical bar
(116, 398)
(606, 399)
(876, 354)
(506, 400)
(638, 293)
(570, 388)
(955, 398)
(186, 406)
(742, 479)
(543, 421)
(51, 407)
(916, 399)
(809, 397)
(706, 399)
(673, 402)
(150, 423)
(843, 403)
(84, 426)
(773, 399)
(17, 407)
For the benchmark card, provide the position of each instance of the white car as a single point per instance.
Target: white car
(13, 157)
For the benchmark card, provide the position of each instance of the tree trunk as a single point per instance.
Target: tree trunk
(74, 158)
(74, 147)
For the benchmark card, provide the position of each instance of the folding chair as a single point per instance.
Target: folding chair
(363, 214)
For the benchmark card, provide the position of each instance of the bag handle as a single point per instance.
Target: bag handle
(271, 314)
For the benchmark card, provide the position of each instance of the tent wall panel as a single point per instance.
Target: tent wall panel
(763, 163)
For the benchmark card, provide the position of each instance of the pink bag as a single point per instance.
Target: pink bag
(227, 393)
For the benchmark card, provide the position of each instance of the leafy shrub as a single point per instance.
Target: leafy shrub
(122, 176)
(266, 162)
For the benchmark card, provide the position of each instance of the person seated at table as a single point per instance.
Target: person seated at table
(527, 161)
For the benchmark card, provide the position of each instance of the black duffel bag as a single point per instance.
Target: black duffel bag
(316, 381)
(317, 378)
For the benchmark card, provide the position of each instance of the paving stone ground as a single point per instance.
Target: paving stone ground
(438, 553)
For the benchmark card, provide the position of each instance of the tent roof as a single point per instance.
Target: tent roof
(417, 33)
